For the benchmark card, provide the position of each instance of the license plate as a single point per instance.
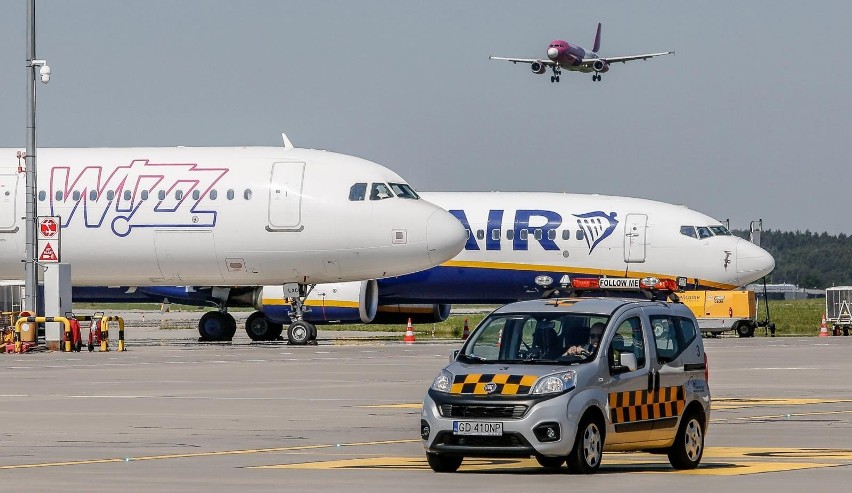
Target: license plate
(480, 428)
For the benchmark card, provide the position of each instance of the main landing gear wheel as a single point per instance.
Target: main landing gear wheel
(299, 333)
(216, 326)
(260, 328)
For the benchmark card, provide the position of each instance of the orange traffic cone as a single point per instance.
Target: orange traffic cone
(823, 330)
(409, 333)
(466, 331)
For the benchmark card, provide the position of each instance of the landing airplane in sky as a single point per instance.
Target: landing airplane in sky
(519, 246)
(561, 54)
(225, 219)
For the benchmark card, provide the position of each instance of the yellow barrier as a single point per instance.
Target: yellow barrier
(105, 332)
(39, 320)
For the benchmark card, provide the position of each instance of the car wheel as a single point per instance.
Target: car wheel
(443, 463)
(550, 462)
(689, 443)
(585, 457)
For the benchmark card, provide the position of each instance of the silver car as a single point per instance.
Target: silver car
(533, 380)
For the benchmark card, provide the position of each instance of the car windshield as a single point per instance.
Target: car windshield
(535, 338)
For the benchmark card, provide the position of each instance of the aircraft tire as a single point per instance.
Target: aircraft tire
(216, 326)
(260, 328)
(299, 333)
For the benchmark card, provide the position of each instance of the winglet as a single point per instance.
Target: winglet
(597, 39)
(287, 143)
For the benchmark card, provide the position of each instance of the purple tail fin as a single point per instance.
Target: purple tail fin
(597, 39)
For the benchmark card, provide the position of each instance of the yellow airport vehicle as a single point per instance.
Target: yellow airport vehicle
(721, 311)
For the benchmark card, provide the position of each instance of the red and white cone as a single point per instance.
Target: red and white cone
(823, 329)
(466, 331)
(409, 333)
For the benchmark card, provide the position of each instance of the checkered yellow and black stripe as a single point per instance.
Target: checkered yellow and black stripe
(640, 405)
(506, 384)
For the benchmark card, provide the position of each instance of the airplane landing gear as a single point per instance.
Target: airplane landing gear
(556, 74)
(260, 328)
(596, 77)
(301, 332)
(216, 326)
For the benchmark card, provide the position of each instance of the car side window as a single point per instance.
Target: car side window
(686, 330)
(665, 338)
(628, 339)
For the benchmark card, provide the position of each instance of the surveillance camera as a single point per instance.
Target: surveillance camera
(45, 74)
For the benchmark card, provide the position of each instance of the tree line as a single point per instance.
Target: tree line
(807, 259)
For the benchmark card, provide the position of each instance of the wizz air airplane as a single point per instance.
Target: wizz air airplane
(225, 220)
(561, 54)
(519, 246)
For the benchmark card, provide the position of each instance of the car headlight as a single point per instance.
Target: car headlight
(443, 382)
(554, 384)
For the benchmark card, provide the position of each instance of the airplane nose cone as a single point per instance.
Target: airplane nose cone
(753, 262)
(445, 236)
(552, 53)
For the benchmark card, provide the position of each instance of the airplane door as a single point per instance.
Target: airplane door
(8, 188)
(285, 196)
(634, 237)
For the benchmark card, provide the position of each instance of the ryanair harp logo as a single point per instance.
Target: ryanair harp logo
(596, 226)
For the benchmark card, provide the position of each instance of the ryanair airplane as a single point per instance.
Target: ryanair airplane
(519, 246)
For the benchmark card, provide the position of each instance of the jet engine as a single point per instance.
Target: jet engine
(538, 67)
(601, 66)
(419, 314)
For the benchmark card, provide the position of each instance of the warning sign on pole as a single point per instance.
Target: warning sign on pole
(48, 236)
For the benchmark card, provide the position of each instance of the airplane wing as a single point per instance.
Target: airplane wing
(524, 60)
(623, 59)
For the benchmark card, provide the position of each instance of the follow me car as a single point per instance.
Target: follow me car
(531, 382)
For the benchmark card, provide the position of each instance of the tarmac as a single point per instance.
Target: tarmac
(172, 414)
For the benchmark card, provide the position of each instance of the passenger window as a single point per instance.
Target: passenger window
(178, 194)
(196, 194)
(247, 194)
(704, 232)
(522, 234)
(665, 338)
(551, 234)
(495, 234)
(110, 195)
(75, 195)
(358, 191)
(93, 195)
(144, 194)
(510, 234)
(628, 339)
(58, 195)
(580, 234)
(566, 234)
(161, 195)
(42, 195)
(538, 234)
(230, 194)
(127, 195)
(380, 191)
(480, 234)
(213, 194)
(688, 231)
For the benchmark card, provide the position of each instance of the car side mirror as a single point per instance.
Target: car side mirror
(622, 362)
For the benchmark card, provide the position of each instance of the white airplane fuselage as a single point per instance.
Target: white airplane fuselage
(221, 217)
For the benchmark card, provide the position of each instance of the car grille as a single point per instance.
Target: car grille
(509, 440)
(471, 411)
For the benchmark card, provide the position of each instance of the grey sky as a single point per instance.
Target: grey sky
(751, 118)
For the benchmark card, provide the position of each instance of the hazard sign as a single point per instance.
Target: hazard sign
(48, 228)
(48, 251)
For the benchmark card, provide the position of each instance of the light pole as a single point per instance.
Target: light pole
(30, 272)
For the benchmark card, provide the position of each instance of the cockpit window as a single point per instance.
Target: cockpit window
(535, 338)
(688, 231)
(704, 232)
(403, 191)
(720, 231)
(358, 191)
(380, 191)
